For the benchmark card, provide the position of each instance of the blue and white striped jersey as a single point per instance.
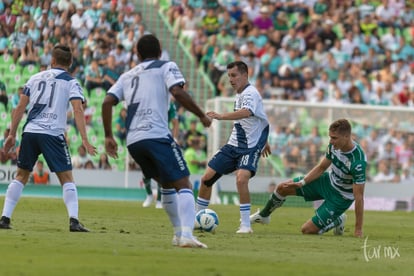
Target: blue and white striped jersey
(145, 89)
(50, 92)
(248, 132)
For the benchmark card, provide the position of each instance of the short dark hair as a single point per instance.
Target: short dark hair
(341, 126)
(241, 66)
(63, 55)
(149, 46)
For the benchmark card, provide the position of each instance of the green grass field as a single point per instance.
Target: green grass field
(130, 240)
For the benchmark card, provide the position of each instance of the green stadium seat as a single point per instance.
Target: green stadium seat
(5, 61)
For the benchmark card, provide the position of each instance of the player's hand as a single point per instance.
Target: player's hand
(206, 121)
(111, 147)
(266, 150)
(214, 115)
(358, 233)
(9, 144)
(290, 183)
(89, 148)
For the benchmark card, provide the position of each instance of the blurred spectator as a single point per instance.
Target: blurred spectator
(40, 176)
(82, 23)
(17, 41)
(263, 21)
(313, 156)
(327, 35)
(198, 43)
(93, 76)
(89, 165)
(103, 163)
(251, 9)
(80, 159)
(387, 151)
(8, 21)
(404, 154)
(195, 156)
(29, 54)
(385, 174)
(121, 57)
(4, 99)
(12, 154)
(210, 22)
(187, 25)
(192, 132)
(110, 74)
(293, 161)
(281, 23)
(120, 126)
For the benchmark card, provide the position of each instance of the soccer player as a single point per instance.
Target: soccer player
(247, 142)
(48, 95)
(339, 187)
(146, 89)
(173, 119)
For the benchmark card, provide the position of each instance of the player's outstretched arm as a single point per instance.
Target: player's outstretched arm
(266, 150)
(236, 115)
(359, 208)
(188, 103)
(17, 116)
(81, 125)
(111, 147)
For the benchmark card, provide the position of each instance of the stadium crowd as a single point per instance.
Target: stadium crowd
(338, 51)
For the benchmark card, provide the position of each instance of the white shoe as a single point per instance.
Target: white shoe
(244, 230)
(257, 218)
(158, 205)
(191, 243)
(148, 201)
(175, 241)
(339, 229)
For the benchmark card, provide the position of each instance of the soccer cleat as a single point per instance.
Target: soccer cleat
(191, 243)
(257, 218)
(5, 223)
(175, 241)
(340, 228)
(148, 201)
(76, 226)
(158, 205)
(244, 230)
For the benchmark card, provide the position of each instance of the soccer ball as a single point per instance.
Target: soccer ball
(206, 220)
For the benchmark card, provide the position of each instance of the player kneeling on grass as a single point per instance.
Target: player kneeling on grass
(339, 187)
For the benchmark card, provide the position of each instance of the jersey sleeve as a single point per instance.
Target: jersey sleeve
(328, 153)
(76, 91)
(249, 100)
(117, 89)
(172, 75)
(358, 171)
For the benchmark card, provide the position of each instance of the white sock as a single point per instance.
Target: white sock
(13, 193)
(245, 214)
(202, 204)
(70, 197)
(169, 201)
(186, 210)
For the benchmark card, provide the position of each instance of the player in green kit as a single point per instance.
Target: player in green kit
(339, 187)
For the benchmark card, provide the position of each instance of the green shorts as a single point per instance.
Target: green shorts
(334, 203)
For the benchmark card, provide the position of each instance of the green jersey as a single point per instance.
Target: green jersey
(347, 168)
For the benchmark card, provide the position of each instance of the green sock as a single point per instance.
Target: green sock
(147, 182)
(158, 192)
(275, 201)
